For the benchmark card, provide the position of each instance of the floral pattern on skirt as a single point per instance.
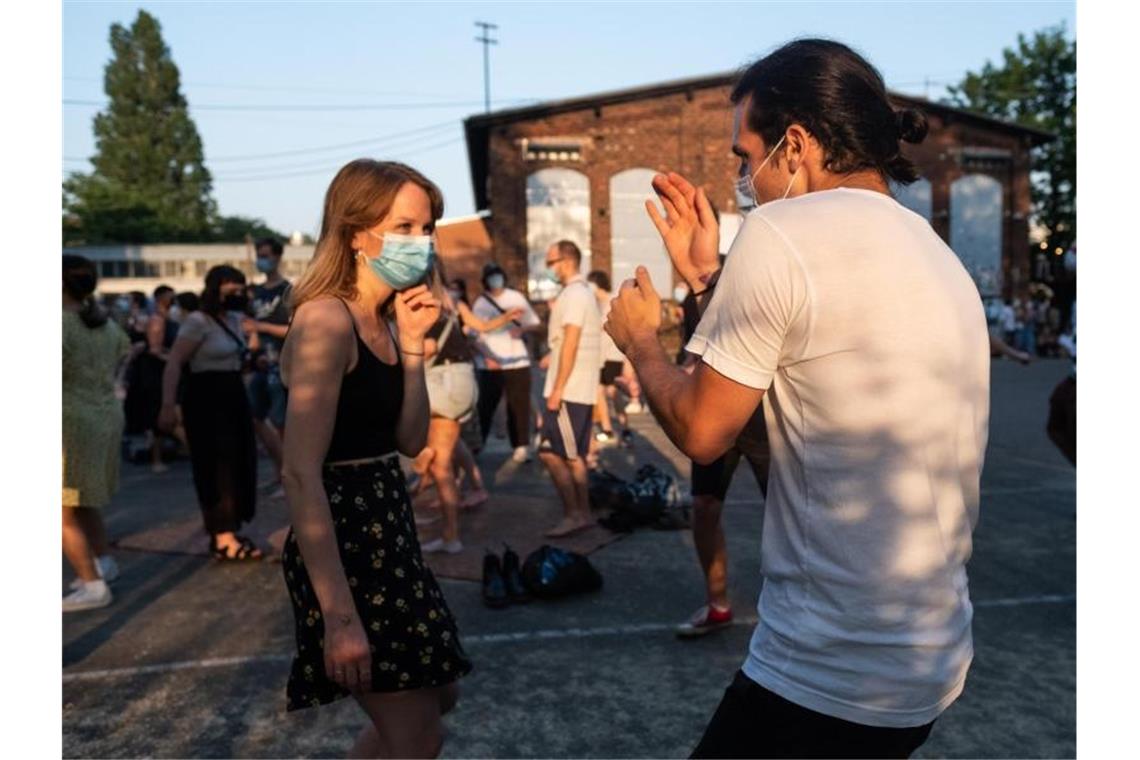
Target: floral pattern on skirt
(411, 632)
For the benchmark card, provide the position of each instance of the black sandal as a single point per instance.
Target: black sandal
(247, 550)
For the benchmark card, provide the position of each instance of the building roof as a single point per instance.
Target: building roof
(477, 128)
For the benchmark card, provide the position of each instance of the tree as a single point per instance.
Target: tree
(1036, 86)
(235, 229)
(150, 183)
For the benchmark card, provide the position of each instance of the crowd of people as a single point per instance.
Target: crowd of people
(1032, 325)
(864, 421)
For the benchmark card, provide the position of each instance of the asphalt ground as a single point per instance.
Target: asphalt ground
(192, 658)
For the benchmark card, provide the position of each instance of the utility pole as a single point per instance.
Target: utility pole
(486, 40)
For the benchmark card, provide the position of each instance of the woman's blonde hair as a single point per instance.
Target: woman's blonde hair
(359, 197)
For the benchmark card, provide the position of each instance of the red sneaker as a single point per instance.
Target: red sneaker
(704, 621)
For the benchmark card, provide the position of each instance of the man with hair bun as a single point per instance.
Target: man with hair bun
(866, 338)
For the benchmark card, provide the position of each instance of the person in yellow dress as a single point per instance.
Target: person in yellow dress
(93, 348)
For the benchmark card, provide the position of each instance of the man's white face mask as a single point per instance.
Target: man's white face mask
(744, 184)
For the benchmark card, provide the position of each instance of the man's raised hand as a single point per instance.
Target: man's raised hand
(689, 228)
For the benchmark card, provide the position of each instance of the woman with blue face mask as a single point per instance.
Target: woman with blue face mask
(371, 620)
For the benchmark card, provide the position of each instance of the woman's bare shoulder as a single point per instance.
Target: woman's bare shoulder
(324, 315)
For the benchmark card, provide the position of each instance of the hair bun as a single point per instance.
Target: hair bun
(912, 125)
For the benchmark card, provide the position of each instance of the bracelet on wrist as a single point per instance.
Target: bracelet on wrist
(411, 353)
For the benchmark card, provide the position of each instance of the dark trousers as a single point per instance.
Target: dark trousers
(516, 383)
(223, 454)
(754, 722)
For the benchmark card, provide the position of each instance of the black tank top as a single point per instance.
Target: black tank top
(369, 406)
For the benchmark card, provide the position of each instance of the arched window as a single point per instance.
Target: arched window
(634, 240)
(557, 208)
(975, 229)
(915, 196)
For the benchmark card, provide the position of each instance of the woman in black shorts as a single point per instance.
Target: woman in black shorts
(371, 621)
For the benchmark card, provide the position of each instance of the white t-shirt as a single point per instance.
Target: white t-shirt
(870, 338)
(576, 305)
(1008, 318)
(510, 352)
(610, 351)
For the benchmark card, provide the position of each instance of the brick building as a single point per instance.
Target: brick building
(581, 168)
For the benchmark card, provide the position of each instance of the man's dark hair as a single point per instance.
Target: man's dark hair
(275, 245)
(837, 96)
(162, 290)
(188, 301)
(211, 301)
(569, 249)
(601, 279)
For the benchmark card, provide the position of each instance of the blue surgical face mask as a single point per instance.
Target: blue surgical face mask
(496, 281)
(265, 266)
(404, 260)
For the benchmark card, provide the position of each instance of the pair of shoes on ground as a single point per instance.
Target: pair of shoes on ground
(704, 621)
(90, 595)
(502, 580)
(439, 546)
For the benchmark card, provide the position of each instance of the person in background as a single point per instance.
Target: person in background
(185, 304)
(93, 349)
(137, 316)
(504, 361)
(1061, 425)
(452, 393)
(271, 310)
(612, 361)
(710, 484)
(161, 331)
(371, 621)
(1008, 322)
(571, 388)
(215, 412)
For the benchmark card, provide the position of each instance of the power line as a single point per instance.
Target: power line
(325, 169)
(408, 143)
(430, 128)
(294, 88)
(306, 107)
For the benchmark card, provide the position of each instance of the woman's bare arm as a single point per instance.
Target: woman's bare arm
(316, 356)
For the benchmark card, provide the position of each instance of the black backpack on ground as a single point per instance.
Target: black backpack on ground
(652, 499)
(607, 491)
(550, 572)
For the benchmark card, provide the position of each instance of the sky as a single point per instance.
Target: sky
(278, 89)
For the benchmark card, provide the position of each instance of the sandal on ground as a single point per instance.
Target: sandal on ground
(246, 550)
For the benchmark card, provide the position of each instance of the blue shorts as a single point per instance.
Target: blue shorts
(268, 397)
(567, 431)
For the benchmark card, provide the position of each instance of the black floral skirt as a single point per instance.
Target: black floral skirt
(411, 632)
